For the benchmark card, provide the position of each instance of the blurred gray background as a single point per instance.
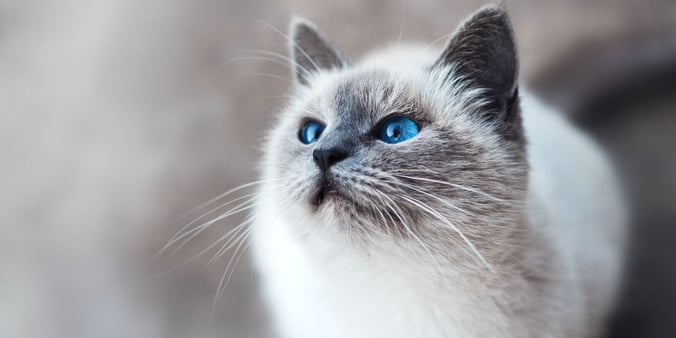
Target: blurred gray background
(117, 118)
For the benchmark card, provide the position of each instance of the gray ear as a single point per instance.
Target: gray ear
(483, 52)
(311, 52)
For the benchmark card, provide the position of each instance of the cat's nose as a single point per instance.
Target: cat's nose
(325, 158)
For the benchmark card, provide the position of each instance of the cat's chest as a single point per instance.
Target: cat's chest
(333, 293)
(380, 304)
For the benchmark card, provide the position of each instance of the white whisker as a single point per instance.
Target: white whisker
(240, 187)
(447, 203)
(239, 208)
(445, 220)
(200, 254)
(222, 282)
(268, 59)
(293, 43)
(270, 75)
(290, 62)
(458, 186)
(392, 205)
(401, 28)
(228, 244)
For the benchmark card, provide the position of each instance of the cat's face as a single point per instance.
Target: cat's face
(417, 147)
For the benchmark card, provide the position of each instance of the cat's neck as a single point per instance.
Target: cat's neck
(464, 293)
(417, 262)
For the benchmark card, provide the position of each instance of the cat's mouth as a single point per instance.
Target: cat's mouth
(326, 189)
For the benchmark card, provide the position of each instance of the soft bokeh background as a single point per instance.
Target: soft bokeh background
(117, 117)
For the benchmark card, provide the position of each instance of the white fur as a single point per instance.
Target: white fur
(320, 288)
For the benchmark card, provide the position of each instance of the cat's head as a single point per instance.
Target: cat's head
(407, 144)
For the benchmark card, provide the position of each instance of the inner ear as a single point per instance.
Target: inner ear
(483, 52)
(311, 52)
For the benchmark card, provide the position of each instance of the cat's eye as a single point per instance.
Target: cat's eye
(310, 132)
(398, 129)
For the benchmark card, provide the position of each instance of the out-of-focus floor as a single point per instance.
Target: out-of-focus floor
(118, 117)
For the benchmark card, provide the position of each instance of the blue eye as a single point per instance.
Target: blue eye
(398, 129)
(310, 132)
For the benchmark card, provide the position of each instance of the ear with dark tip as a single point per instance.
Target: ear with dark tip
(483, 52)
(311, 52)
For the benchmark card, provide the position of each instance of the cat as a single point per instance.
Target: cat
(421, 193)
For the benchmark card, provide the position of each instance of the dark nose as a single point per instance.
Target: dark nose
(325, 158)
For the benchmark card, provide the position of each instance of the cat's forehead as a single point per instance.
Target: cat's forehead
(364, 95)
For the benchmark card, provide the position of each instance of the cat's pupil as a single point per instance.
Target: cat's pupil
(395, 132)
